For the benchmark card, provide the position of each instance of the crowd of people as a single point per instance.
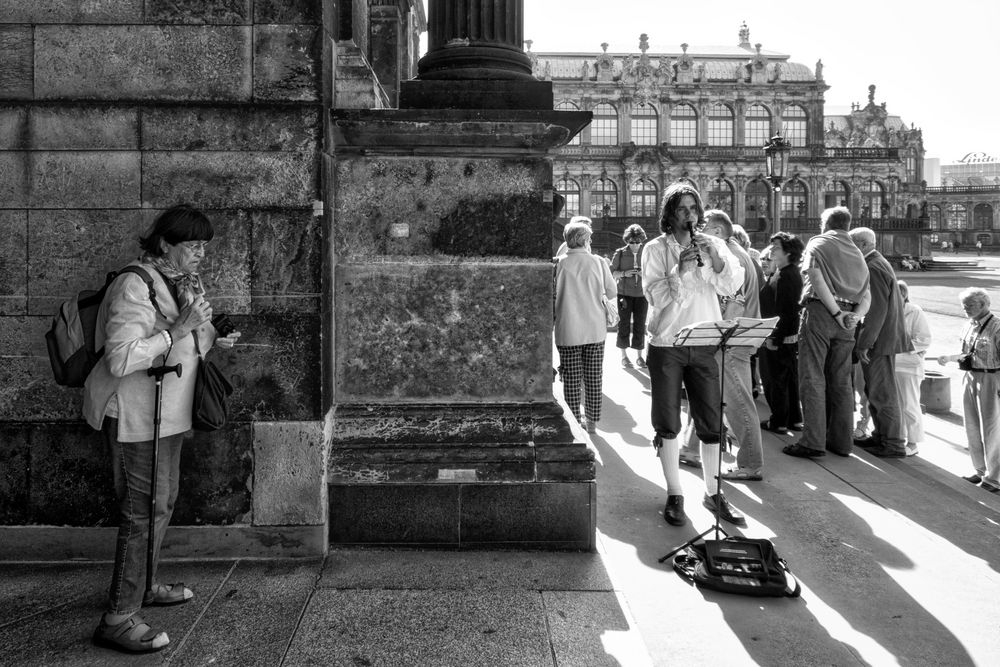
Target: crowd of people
(844, 333)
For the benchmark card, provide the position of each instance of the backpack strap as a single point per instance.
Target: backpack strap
(146, 278)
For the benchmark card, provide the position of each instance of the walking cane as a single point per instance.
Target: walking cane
(156, 373)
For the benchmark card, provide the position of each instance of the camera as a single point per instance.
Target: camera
(965, 361)
(223, 325)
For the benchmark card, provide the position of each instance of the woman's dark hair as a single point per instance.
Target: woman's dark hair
(176, 224)
(671, 197)
(791, 245)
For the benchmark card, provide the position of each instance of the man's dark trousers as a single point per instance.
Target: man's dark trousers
(883, 401)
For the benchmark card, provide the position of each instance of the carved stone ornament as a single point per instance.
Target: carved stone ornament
(605, 64)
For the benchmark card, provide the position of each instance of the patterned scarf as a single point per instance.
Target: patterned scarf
(187, 285)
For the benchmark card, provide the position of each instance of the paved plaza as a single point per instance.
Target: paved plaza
(898, 559)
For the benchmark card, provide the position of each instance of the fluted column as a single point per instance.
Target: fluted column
(475, 39)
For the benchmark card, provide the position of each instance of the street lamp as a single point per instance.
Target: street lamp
(776, 156)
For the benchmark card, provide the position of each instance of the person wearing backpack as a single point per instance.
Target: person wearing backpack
(140, 326)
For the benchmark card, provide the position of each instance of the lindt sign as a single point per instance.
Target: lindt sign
(977, 158)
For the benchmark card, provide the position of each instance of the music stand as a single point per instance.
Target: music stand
(724, 334)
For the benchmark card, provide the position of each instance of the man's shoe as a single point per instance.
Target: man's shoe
(626, 363)
(871, 442)
(726, 511)
(797, 426)
(912, 449)
(989, 487)
(885, 452)
(973, 478)
(766, 426)
(802, 452)
(673, 511)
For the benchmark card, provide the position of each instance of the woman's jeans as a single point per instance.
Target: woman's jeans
(132, 464)
(632, 316)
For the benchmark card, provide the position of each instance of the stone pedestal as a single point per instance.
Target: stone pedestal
(443, 425)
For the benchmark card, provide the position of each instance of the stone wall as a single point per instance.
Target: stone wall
(110, 111)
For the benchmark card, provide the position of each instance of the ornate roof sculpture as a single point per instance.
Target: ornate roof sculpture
(870, 127)
(666, 66)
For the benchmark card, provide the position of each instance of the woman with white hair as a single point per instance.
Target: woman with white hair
(583, 282)
(909, 370)
(980, 359)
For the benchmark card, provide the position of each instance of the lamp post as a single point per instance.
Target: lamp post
(776, 157)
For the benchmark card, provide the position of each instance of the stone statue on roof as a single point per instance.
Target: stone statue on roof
(819, 70)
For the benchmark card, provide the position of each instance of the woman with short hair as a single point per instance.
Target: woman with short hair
(632, 306)
(780, 297)
(583, 281)
(141, 327)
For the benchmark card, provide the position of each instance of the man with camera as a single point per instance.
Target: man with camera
(684, 273)
(980, 359)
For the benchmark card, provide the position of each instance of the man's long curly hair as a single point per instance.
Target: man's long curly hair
(671, 197)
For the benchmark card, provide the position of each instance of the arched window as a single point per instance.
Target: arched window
(683, 126)
(794, 119)
(603, 199)
(604, 128)
(838, 195)
(758, 126)
(793, 200)
(757, 202)
(720, 125)
(642, 201)
(983, 216)
(569, 106)
(872, 199)
(956, 216)
(934, 215)
(644, 125)
(570, 190)
(720, 196)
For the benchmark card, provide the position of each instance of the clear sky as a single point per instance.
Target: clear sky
(936, 65)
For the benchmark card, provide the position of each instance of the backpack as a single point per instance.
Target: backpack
(70, 340)
(739, 565)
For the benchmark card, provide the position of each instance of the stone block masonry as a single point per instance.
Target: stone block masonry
(111, 111)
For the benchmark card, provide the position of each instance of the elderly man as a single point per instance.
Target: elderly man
(835, 296)
(738, 387)
(980, 359)
(879, 339)
(683, 275)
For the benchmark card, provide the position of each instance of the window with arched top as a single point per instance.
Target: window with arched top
(604, 128)
(683, 126)
(603, 199)
(569, 106)
(720, 196)
(872, 200)
(794, 120)
(794, 199)
(757, 203)
(982, 216)
(934, 215)
(644, 125)
(757, 128)
(720, 125)
(642, 199)
(570, 190)
(838, 194)
(955, 216)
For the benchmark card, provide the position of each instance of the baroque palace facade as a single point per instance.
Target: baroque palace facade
(704, 114)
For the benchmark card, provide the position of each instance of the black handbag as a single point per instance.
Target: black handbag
(211, 389)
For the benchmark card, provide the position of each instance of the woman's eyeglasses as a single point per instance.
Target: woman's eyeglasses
(194, 246)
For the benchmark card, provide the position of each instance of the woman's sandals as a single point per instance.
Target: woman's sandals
(133, 635)
(164, 595)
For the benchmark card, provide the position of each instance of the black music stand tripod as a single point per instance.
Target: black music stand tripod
(724, 334)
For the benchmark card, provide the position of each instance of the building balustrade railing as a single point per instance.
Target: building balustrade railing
(863, 153)
(962, 189)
